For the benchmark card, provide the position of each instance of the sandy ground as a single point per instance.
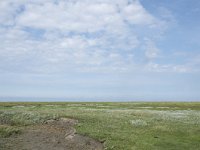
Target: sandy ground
(53, 135)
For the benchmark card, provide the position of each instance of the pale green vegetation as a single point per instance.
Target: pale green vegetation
(121, 126)
(6, 131)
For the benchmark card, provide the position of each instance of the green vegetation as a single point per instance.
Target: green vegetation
(6, 131)
(121, 126)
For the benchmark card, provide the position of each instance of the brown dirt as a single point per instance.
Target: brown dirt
(53, 135)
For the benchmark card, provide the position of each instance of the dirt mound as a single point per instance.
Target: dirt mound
(53, 135)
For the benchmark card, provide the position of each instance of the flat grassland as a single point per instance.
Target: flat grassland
(118, 126)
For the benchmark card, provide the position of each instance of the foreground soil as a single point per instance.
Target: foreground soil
(53, 135)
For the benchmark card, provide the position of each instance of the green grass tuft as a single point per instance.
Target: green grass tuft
(6, 131)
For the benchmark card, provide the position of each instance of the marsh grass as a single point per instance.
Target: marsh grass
(121, 126)
(138, 123)
(6, 131)
(23, 118)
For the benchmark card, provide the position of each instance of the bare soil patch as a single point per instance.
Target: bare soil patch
(52, 135)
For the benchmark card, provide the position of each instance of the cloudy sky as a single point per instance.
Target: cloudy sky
(100, 49)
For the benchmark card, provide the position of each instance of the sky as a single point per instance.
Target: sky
(100, 49)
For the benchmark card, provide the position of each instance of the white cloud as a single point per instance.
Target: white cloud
(7, 12)
(136, 14)
(69, 16)
(49, 36)
(155, 67)
(96, 15)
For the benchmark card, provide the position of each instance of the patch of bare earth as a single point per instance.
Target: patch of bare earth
(53, 135)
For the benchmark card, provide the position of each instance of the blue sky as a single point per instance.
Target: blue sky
(100, 49)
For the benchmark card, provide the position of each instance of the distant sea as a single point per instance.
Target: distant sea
(91, 99)
(44, 99)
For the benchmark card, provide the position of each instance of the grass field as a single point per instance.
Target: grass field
(121, 126)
